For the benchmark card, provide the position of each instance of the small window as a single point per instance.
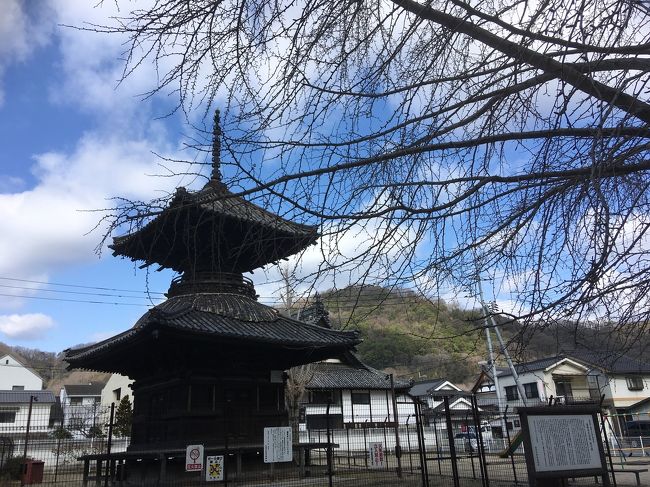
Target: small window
(360, 398)
(325, 397)
(531, 390)
(634, 383)
(17, 388)
(7, 362)
(511, 393)
(7, 416)
(76, 401)
(117, 394)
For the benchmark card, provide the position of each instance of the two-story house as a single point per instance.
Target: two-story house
(582, 376)
(15, 376)
(82, 410)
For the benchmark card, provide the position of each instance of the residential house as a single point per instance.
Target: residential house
(15, 412)
(432, 393)
(427, 391)
(580, 376)
(356, 395)
(15, 376)
(117, 387)
(82, 410)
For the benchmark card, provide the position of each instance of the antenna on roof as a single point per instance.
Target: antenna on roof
(216, 148)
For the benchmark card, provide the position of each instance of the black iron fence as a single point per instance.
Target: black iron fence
(360, 440)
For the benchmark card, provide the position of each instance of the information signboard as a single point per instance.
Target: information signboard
(214, 468)
(194, 458)
(278, 444)
(561, 442)
(566, 442)
(376, 451)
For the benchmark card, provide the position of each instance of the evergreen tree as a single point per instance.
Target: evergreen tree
(123, 417)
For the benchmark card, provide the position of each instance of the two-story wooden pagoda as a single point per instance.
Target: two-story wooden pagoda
(208, 362)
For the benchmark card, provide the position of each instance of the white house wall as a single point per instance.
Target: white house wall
(379, 410)
(622, 396)
(116, 382)
(40, 418)
(13, 373)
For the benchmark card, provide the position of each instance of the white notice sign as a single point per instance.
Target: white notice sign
(376, 451)
(277, 444)
(194, 458)
(564, 442)
(214, 468)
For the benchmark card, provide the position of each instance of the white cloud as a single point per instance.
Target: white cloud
(47, 226)
(30, 326)
(24, 26)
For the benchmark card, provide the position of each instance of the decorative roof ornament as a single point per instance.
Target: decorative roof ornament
(216, 148)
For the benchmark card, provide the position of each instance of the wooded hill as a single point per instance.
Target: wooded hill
(411, 335)
(418, 337)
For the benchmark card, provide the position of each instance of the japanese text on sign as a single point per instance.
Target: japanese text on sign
(214, 468)
(566, 442)
(194, 458)
(376, 451)
(277, 444)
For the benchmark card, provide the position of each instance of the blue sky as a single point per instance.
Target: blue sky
(71, 139)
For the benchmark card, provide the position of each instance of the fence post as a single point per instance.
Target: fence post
(365, 443)
(398, 448)
(512, 453)
(452, 446)
(330, 465)
(408, 442)
(479, 441)
(29, 420)
(422, 447)
(56, 465)
(109, 443)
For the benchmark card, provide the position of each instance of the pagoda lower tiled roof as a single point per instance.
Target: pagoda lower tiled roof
(224, 316)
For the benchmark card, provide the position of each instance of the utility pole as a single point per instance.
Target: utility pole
(502, 345)
(492, 363)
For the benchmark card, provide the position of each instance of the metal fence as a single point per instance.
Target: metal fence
(451, 441)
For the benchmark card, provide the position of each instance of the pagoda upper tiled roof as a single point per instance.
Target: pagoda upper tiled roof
(266, 237)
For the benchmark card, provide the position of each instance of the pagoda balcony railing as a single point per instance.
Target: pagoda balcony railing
(212, 282)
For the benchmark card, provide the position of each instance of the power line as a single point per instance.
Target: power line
(85, 293)
(70, 300)
(4, 278)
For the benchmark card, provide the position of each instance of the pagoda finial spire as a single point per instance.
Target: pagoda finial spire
(216, 147)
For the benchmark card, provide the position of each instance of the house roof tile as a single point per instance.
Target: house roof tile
(22, 397)
(330, 375)
(93, 389)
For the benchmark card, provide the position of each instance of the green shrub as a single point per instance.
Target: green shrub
(12, 468)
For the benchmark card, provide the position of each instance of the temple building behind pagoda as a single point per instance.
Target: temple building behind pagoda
(208, 363)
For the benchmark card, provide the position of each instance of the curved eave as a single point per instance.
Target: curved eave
(284, 333)
(210, 209)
